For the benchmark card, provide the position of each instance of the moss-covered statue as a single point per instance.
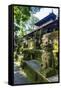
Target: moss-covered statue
(47, 54)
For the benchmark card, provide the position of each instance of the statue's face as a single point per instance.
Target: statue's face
(45, 39)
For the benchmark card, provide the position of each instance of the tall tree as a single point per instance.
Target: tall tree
(21, 16)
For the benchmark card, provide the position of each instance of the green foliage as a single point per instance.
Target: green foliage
(23, 16)
(21, 13)
(50, 72)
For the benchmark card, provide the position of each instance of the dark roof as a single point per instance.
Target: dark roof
(51, 26)
(51, 16)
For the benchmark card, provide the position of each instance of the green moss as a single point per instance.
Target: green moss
(30, 74)
(50, 72)
(33, 76)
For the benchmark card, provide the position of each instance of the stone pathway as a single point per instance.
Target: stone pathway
(19, 77)
(53, 78)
